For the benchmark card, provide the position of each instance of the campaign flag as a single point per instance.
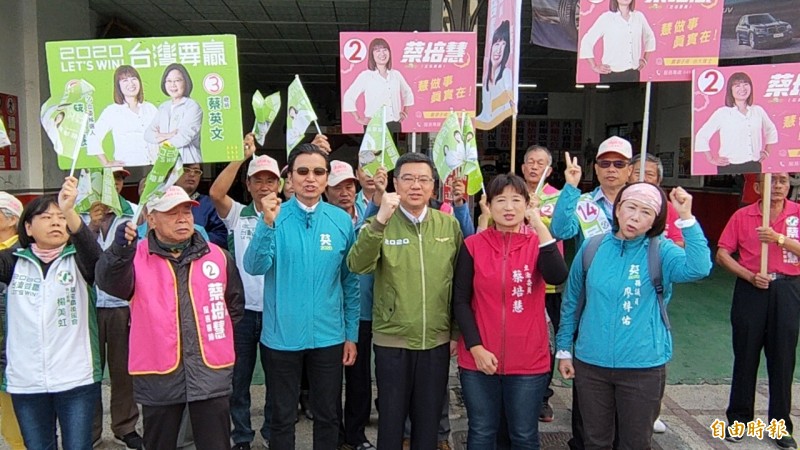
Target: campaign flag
(659, 41)
(109, 195)
(65, 119)
(448, 147)
(377, 147)
(97, 185)
(745, 119)
(266, 110)
(472, 167)
(4, 141)
(500, 80)
(299, 114)
(165, 173)
(419, 77)
(183, 89)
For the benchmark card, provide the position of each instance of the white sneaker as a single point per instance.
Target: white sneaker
(659, 426)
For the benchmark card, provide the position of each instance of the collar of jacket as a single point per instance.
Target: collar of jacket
(196, 249)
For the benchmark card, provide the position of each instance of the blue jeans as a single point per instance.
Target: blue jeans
(246, 336)
(485, 396)
(74, 410)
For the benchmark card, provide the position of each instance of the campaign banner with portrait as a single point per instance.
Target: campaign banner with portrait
(746, 119)
(646, 40)
(182, 90)
(500, 80)
(420, 77)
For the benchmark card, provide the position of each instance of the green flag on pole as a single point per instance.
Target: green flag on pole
(266, 110)
(377, 147)
(446, 147)
(472, 168)
(299, 114)
(66, 120)
(109, 195)
(90, 187)
(165, 173)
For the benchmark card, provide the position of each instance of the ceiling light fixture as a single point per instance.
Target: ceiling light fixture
(603, 86)
(521, 85)
(579, 86)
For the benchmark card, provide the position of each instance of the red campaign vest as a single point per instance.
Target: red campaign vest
(155, 341)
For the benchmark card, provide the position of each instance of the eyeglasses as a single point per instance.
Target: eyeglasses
(411, 179)
(197, 172)
(619, 164)
(318, 171)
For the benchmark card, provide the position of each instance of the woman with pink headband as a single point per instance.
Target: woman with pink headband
(623, 341)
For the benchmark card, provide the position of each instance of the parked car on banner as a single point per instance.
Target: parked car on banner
(763, 30)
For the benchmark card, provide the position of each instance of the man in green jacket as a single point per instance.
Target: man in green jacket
(411, 250)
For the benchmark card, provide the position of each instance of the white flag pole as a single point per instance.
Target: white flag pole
(413, 142)
(645, 130)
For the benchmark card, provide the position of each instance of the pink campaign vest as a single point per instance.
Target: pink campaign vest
(155, 341)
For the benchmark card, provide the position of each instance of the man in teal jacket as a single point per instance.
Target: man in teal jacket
(311, 299)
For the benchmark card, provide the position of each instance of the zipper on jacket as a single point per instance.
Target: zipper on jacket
(506, 239)
(424, 293)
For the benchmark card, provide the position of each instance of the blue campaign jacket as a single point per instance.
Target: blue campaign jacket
(565, 224)
(310, 296)
(613, 333)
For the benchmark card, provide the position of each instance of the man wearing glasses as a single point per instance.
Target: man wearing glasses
(205, 215)
(311, 299)
(590, 214)
(411, 249)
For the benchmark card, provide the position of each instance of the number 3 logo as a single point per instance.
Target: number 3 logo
(213, 83)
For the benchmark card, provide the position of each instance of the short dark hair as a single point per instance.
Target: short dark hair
(36, 207)
(500, 182)
(660, 222)
(126, 71)
(412, 157)
(501, 33)
(737, 77)
(306, 149)
(186, 79)
(613, 5)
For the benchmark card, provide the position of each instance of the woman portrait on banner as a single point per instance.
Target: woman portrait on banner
(127, 119)
(745, 130)
(618, 359)
(498, 82)
(628, 41)
(180, 118)
(498, 302)
(381, 85)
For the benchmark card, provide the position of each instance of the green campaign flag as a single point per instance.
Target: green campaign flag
(165, 173)
(109, 195)
(377, 147)
(472, 168)
(446, 147)
(266, 110)
(4, 141)
(145, 91)
(90, 188)
(65, 125)
(299, 114)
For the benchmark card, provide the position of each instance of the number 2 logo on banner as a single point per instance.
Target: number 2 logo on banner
(354, 51)
(710, 82)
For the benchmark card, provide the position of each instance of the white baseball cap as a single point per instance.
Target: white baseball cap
(119, 169)
(174, 196)
(340, 171)
(263, 163)
(615, 144)
(11, 203)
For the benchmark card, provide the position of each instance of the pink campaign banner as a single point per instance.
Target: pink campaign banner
(647, 40)
(745, 119)
(419, 77)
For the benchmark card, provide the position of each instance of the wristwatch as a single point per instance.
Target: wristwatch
(781, 240)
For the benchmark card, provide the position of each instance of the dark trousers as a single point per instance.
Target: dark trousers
(765, 319)
(246, 335)
(37, 415)
(113, 326)
(410, 383)
(576, 441)
(284, 370)
(210, 421)
(358, 389)
(628, 76)
(552, 303)
(629, 397)
(735, 169)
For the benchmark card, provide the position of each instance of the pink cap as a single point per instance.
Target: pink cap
(644, 193)
(11, 203)
(174, 196)
(263, 163)
(340, 171)
(615, 144)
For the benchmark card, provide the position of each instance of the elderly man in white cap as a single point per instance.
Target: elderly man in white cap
(263, 177)
(185, 296)
(10, 211)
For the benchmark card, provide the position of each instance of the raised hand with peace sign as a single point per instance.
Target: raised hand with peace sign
(573, 173)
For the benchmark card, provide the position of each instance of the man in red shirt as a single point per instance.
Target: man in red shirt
(766, 307)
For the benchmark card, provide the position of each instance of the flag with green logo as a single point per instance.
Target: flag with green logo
(65, 119)
(97, 185)
(446, 153)
(165, 173)
(377, 147)
(299, 114)
(472, 167)
(265, 110)
(4, 141)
